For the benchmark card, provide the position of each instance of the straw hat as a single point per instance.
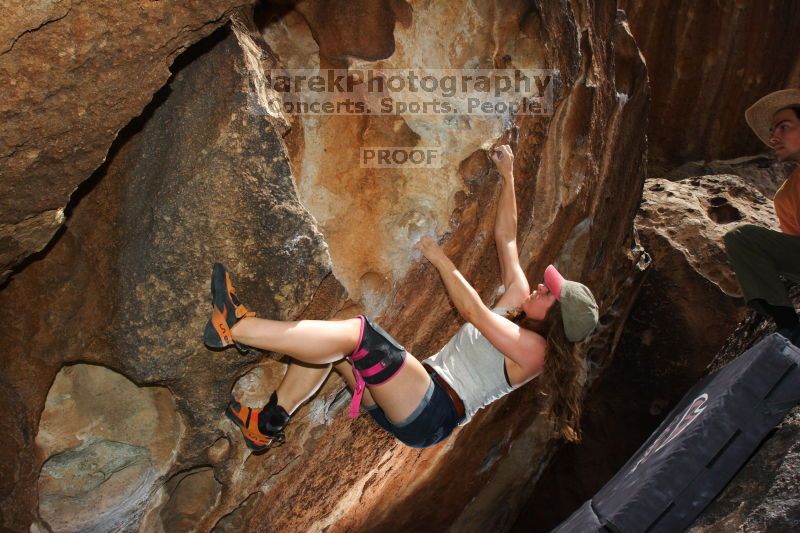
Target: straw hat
(759, 115)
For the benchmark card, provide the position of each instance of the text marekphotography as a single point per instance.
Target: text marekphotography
(444, 92)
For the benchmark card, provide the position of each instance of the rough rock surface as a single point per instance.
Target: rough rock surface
(192, 495)
(75, 73)
(201, 177)
(762, 172)
(689, 218)
(126, 284)
(105, 444)
(708, 62)
(398, 205)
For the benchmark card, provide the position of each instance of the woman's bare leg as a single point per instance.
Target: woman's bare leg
(310, 341)
(328, 341)
(345, 369)
(299, 384)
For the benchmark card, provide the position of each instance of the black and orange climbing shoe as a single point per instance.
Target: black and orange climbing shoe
(273, 419)
(246, 419)
(227, 311)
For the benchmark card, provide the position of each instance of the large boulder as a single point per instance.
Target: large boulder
(205, 176)
(106, 443)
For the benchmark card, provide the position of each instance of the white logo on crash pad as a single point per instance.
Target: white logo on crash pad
(672, 432)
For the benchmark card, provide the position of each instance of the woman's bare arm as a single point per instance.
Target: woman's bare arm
(523, 347)
(463, 295)
(505, 232)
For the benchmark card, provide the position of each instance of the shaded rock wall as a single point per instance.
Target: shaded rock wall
(75, 73)
(687, 308)
(201, 177)
(126, 284)
(708, 62)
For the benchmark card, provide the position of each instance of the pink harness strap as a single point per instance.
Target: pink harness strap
(358, 354)
(358, 392)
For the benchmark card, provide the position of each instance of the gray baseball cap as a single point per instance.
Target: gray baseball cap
(578, 307)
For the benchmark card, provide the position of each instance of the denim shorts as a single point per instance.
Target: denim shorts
(431, 422)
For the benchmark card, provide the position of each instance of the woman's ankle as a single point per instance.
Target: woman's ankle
(238, 326)
(273, 418)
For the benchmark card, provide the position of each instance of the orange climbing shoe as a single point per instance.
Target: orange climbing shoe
(246, 418)
(227, 311)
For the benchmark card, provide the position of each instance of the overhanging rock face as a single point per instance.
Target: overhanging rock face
(75, 73)
(207, 178)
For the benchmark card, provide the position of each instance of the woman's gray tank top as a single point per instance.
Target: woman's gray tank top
(473, 367)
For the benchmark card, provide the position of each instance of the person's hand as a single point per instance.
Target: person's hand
(503, 159)
(430, 249)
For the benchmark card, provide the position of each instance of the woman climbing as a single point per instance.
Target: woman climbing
(421, 403)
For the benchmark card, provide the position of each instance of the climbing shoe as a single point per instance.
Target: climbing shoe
(273, 419)
(246, 419)
(227, 311)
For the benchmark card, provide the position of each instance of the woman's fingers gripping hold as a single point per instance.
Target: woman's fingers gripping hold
(503, 159)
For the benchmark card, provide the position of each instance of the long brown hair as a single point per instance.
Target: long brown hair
(564, 371)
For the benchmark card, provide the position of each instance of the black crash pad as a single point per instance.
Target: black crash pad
(699, 447)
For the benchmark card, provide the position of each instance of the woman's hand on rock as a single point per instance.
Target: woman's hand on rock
(503, 159)
(430, 249)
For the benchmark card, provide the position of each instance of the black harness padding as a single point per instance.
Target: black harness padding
(700, 446)
(384, 354)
